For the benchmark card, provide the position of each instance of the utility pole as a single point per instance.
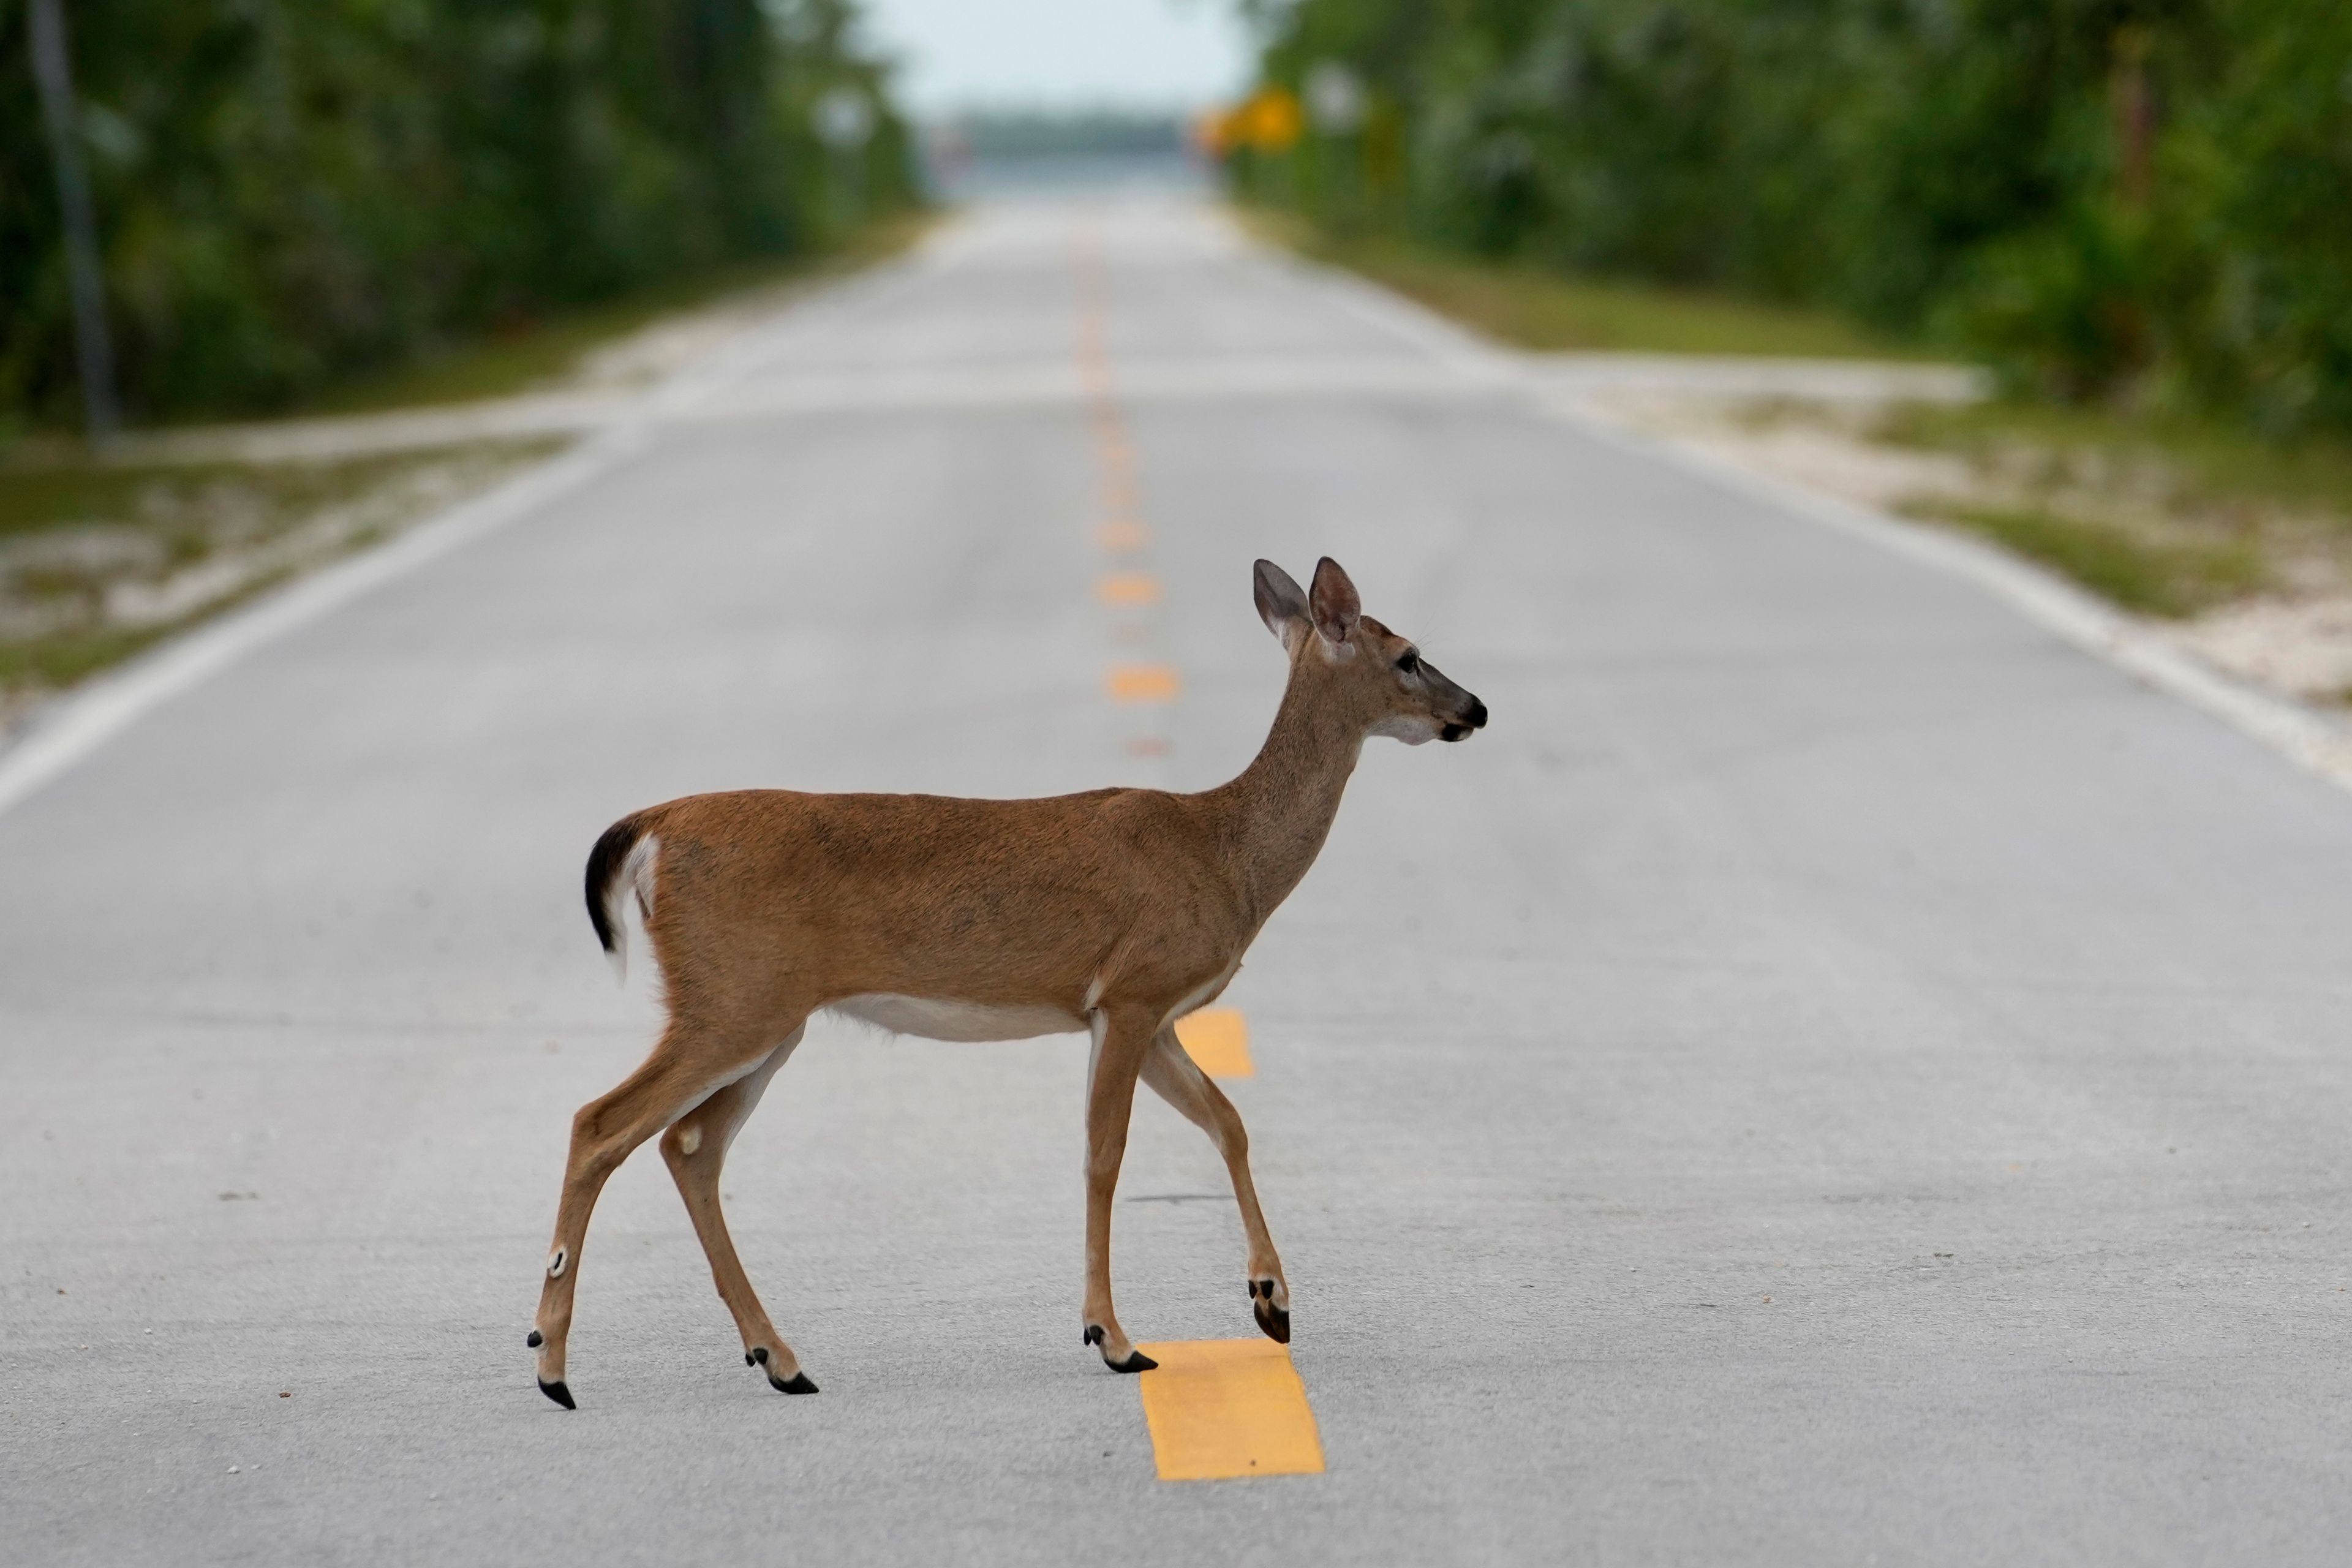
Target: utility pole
(53, 72)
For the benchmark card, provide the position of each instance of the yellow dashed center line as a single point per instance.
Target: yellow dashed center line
(1129, 588)
(1142, 683)
(1217, 1040)
(1219, 1409)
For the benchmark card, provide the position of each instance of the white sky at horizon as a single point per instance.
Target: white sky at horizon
(1061, 54)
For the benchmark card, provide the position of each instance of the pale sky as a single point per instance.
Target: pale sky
(1060, 54)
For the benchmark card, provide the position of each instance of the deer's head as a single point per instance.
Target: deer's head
(1375, 678)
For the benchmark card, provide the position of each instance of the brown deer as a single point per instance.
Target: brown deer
(1116, 911)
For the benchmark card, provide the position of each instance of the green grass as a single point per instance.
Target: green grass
(1532, 308)
(50, 484)
(2172, 578)
(2207, 464)
(189, 512)
(174, 497)
(59, 660)
(529, 355)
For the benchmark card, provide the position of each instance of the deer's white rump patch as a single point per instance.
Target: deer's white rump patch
(633, 875)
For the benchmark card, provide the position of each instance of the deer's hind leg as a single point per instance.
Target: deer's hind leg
(690, 1063)
(696, 1149)
(1177, 1078)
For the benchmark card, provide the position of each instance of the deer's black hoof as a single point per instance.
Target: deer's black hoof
(800, 1383)
(1274, 1322)
(1136, 1359)
(558, 1393)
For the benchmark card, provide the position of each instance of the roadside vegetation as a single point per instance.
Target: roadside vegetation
(2125, 203)
(1522, 302)
(2178, 518)
(2140, 564)
(572, 346)
(97, 563)
(2134, 210)
(102, 556)
(292, 199)
(2234, 545)
(344, 208)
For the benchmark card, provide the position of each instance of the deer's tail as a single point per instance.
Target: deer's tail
(620, 863)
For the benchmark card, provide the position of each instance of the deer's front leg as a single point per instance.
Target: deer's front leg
(1122, 1034)
(1177, 1078)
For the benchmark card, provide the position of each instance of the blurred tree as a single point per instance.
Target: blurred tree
(290, 190)
(2142, 198)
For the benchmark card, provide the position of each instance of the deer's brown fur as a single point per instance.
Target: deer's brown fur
(1117, 910)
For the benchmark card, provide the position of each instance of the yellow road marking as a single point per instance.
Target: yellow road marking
(1122, 536)
(1224, 1408)
(1217, 1040)
(1129, 588)
(1142, 683)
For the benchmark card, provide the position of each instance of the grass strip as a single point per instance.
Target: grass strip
(2209, 465)
(1533, 307)
(176, 497)
(2169, 578)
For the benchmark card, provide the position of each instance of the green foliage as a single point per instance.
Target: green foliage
(2148, 200)
(290, 190)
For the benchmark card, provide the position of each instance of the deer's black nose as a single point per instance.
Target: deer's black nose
(1476, 717)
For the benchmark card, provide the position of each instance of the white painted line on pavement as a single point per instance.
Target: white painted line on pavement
(2305, 736)
(1018, 385)
(80, 723)
(75, 725)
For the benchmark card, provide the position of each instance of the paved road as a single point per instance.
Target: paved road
(1832, 1075)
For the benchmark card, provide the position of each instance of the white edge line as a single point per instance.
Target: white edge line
(2309, 739)
(67, 729)
(75, 725)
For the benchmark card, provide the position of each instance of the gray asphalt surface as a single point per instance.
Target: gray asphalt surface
(1832, 1075)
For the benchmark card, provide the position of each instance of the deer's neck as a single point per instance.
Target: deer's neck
(1281, 808)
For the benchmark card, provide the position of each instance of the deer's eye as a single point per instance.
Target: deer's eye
(1409, 662)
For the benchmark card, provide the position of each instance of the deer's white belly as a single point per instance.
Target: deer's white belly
(939, 1019)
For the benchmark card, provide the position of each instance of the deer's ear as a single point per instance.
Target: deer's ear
(1281, 603)
(1333, 601)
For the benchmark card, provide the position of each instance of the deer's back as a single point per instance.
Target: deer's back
(1005, 902)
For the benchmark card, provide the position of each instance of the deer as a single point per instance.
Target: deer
(1114, 912)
